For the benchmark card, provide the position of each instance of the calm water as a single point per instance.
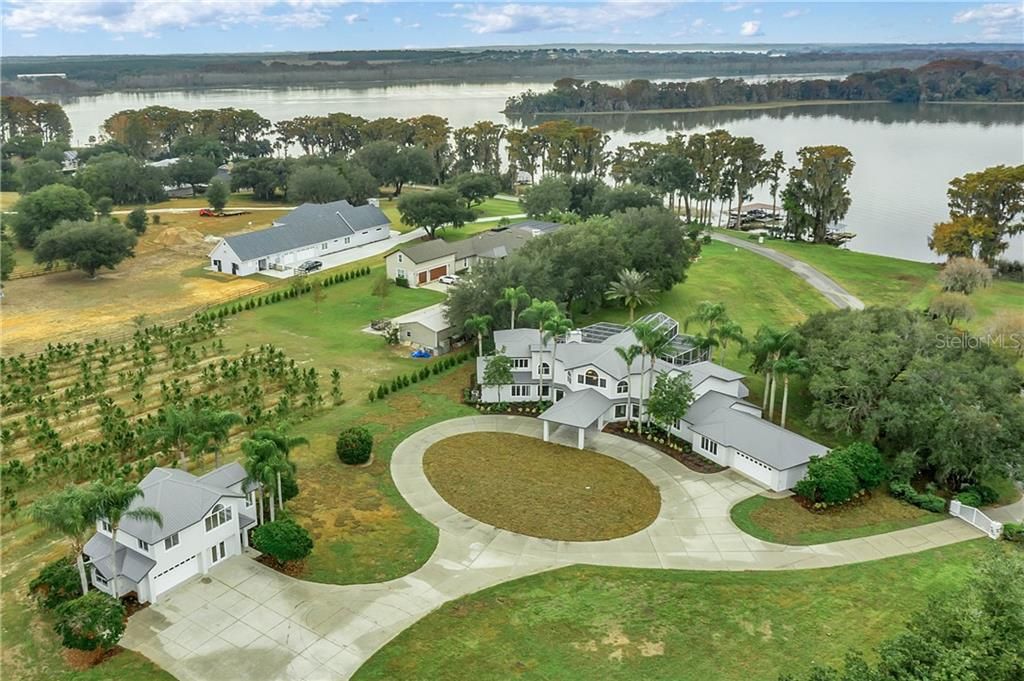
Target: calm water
(905, 155)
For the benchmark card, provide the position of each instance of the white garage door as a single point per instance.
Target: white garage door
(753, 468)
(174, 575)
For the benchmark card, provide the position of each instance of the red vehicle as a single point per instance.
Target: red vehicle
(206, 213)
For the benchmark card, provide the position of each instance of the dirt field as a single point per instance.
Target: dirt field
(164, 281)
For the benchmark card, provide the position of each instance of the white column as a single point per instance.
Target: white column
(579, 432)
(201, 557)
(546, 432)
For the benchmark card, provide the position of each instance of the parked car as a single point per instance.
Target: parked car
(449, 279)
(309, 266)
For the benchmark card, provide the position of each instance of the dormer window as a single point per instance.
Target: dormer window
(218, 516)
(622, 388)
(591, 377)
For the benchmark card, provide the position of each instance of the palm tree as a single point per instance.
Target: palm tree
(553, 328)
(629, 355)
(633, 288)
(769, 345)
(263, 462)
(729, 331)
(172, 431)
(72, 513)
(653, 341)
(479, 325)
(113, 502)
(515, 297)
(284, 443)
(790, 365)
(709, 343)
(213, 434)
(540, 311)
(709, 314)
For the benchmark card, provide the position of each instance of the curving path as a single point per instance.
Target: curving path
(825, 285)
(244, 620)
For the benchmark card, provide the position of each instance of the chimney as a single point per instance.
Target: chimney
(574, 336)
(375, 202)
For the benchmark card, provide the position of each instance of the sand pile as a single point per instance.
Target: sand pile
(182, 239)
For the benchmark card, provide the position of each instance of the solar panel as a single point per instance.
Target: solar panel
(600, 332)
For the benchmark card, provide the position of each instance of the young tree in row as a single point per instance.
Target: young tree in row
(137, 220)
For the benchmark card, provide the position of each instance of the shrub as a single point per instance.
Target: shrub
(866, 463)
(289, 486)
(284, 540)
(930, 502)
(402, 281)
(354, 445)
(57, 583)
(1014, 532)
(985, 493)
(90, 622)
(969, 498)
(829, 479)
(965, 275)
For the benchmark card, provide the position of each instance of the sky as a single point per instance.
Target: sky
(64, 27)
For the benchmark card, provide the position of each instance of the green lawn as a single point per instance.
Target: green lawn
(784, 521)
(540, 489)
(585, 622)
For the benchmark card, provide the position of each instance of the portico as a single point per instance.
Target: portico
(581, 409)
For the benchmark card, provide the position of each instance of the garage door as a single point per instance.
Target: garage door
(174, 575)
(421, 277)
(753, 468)
(438, 272)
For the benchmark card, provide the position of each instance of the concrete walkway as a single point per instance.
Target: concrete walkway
(827, 286)
(244, 620)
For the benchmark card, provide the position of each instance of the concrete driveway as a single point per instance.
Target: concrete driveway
(244, 620)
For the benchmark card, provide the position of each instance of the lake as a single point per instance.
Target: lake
(905, 155)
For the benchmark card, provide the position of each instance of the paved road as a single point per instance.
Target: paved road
(245, 620)
(828, 287)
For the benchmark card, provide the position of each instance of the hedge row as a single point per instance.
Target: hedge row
(977, 496)
(906, 492)
(297, 289)
(1014, 532)
(399, 382)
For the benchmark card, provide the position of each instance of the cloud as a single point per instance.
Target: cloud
(996, 21)
(750, 29)
(733, 6)
(697, 23)
(794, 13)
(516, 18)
(150, 16)
(353, 18)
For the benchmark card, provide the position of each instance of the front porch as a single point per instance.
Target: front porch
(582, 410)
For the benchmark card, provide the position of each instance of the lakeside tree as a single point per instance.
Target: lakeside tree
(550, 195)
(819, 186)
(20, 116)
(263, 176)
(477, 148)
(434, 210)
(217, 194)
(41, 210)
(87, 246)
(986, 209)
(394, 165)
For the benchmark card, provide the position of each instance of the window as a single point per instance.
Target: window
(171, 542)
(400, 257)
(636, 411)
(622, 388)
(620, 411)
(220, 515)
(520, 363)
(364, 232)
(520, 391)
(106, 526)
(408, 334)
(590, 377)
(214, 551)
(545, 368)
(143, 545)
(709, 445)
(579, 378)
(97, 577)
(545, 391)
(323, 246)
(347, 239)
(603, 383)
(400, 273)
(379, 228)
(249, 499)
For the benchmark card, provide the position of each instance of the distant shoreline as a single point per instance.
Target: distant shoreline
(741, 107)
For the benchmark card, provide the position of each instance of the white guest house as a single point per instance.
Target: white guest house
(589, 383)
(205, 520)
(313, 230)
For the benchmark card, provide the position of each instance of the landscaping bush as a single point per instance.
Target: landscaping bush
(289, 486)
(927, 501)
(1014, 532)
(829, 479)
(354, 445)
(56, 583)
(90, 622)
(865, 461)
(969, 498)
(986, 494)
(284, 540)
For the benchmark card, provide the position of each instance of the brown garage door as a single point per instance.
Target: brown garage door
(421, 277)
(438, 272)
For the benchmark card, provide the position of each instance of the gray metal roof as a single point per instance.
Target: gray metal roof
(130, 563)
(517, 342)
(181, 498)
(755, 437)
(536, 226)
(310, 223)
(579, 409)
(425, 251)
(227, 475)
(244, 520)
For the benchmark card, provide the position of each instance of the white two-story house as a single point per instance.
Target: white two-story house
(205, 520)
(589, 385)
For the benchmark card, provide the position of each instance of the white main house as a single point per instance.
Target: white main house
(588, 384)
(205, 520)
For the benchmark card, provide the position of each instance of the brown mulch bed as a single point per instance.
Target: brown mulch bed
(695, 462)
(294, 568)
(86, 659)
(132, 605)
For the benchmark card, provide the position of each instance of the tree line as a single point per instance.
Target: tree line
(21, 117)
(943, 80)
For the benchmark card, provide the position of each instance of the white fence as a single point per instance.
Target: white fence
(975, 517)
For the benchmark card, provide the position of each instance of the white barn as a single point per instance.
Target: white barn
(310, 231)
